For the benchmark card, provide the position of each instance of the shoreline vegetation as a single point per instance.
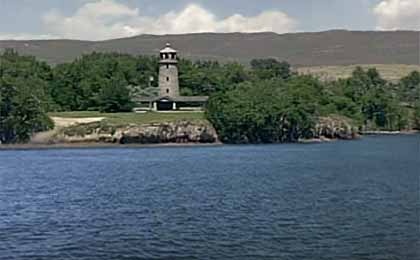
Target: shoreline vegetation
(266, 102)
(76, 130)
(100, 145)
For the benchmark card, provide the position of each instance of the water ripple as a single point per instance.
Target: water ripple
(344, 200)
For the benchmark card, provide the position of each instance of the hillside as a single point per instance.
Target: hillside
(300, 49)
(391, 72)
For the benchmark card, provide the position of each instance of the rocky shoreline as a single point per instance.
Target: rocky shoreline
(335, 128)
(101, 134)
(179, 132)
(404, 132)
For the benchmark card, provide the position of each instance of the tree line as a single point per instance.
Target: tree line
(285, 109)
(263, 102)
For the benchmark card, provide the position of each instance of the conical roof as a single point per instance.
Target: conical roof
(168, 49)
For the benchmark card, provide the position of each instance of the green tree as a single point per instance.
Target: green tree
(232, 74)
(247, 114)
(115, 97)
(78, 85)
(410, 87)
(22, 112)
(362, 82)
(268, 111)
(416, 116)
(271, 68)
(379, 107)
(200, 78)
(24, 97)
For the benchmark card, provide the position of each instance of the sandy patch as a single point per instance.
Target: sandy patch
(61, 122)
(65, 122)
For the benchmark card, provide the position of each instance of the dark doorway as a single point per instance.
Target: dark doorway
(165, 106)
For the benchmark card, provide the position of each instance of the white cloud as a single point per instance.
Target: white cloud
(105, 19)
(398, 15)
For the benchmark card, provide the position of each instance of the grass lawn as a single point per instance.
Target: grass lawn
(133, 118)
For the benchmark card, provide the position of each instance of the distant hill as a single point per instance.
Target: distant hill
(391, 72)
(328, 48)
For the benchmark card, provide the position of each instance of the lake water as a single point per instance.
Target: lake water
(341, 200)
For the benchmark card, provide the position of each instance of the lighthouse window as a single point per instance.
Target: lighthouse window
(167, 91)
(167, 78)
(167, 66)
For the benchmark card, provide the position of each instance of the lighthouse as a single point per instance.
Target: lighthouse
(169, 97)
(168, 73)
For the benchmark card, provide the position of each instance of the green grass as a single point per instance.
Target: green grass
(133, 118)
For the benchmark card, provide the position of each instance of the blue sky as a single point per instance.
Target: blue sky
(104, 19)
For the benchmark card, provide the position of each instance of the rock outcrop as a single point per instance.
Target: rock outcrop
(154, 133)
(335, 127)
(193, 131)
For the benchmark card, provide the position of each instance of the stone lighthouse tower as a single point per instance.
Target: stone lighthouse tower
(169, 97)
(168, 73)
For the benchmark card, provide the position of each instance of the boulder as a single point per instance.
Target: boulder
(335, 127)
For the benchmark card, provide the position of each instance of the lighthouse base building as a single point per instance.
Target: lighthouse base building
(169, 98)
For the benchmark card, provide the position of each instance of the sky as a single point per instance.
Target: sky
(108, 19)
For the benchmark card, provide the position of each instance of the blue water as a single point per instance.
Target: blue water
(341, 200)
